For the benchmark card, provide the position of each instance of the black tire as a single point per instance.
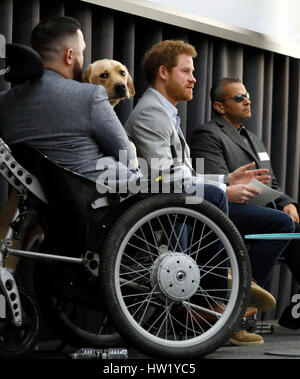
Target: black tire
(16, 342)
(139, 273)
(70, 302)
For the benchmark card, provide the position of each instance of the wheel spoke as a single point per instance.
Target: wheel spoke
(179, 236)
(140, 248)
(135, 261)
(216, 266)
(144, 276)
(145, 302)
(168, 237)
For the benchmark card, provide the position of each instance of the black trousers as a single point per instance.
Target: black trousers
(263, 254)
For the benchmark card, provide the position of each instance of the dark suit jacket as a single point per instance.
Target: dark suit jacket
(224, 150)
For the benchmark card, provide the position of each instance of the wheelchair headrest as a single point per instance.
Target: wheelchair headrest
(23, 64)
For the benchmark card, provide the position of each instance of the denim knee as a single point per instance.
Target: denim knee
(287, 224)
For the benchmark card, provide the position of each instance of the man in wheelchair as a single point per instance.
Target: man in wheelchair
(158, 289)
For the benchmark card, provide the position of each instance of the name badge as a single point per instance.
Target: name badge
(264, 156)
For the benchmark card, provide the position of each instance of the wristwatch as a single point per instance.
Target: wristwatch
(226, 179)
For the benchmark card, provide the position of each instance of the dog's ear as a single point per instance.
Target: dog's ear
(87, 75)
(130, 85)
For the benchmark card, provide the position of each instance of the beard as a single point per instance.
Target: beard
(240, 119)
(77, 71)
(179, 92)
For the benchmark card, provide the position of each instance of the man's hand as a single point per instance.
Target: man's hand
(239, 193)
(244, 175)
(291, 210)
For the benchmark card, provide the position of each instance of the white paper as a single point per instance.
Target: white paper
(267, 194)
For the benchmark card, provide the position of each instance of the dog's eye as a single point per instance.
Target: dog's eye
(104, 75)
(123, 73)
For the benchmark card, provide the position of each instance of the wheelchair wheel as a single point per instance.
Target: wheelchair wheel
(70, 302)
(16, 342)
(164, 274)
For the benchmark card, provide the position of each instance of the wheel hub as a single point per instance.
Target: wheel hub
(176, 275)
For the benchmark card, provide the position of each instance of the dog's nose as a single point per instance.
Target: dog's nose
(120, 86)
(120, 89)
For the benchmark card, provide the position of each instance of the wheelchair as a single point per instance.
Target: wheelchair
(147, 269)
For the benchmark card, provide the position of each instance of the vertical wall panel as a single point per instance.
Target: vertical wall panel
(220, 62)
(280, 118)
(50, 8)
(235, 59)
(268, 99)
(293, 145)
(124, 48)
(143, 42)
(103, 34)
(172, 32)
(209, 80)
(83, 14)
(253, 80)
(196, 116)
(26, 14)
(228, 60)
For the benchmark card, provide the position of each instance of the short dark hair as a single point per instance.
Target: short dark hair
(217, 91)
(165, 53)
(50, 34)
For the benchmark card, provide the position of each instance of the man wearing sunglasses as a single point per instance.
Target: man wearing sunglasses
(226, 144)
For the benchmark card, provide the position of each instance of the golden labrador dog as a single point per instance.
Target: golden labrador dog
(114, 77)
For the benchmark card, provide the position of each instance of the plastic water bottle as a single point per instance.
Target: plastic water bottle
(91, 353)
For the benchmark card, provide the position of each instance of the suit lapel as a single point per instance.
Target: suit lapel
(185, 150)
(236, 138)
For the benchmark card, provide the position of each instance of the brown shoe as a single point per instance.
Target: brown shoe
(260, 298)
(243, 338)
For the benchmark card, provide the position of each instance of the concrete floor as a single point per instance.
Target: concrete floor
(283, 343)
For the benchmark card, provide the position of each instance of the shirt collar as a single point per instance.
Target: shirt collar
(221, 121)
(166, 103)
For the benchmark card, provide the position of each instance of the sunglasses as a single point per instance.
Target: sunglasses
(238, 98)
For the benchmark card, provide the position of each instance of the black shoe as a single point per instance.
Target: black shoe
(287, 320)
